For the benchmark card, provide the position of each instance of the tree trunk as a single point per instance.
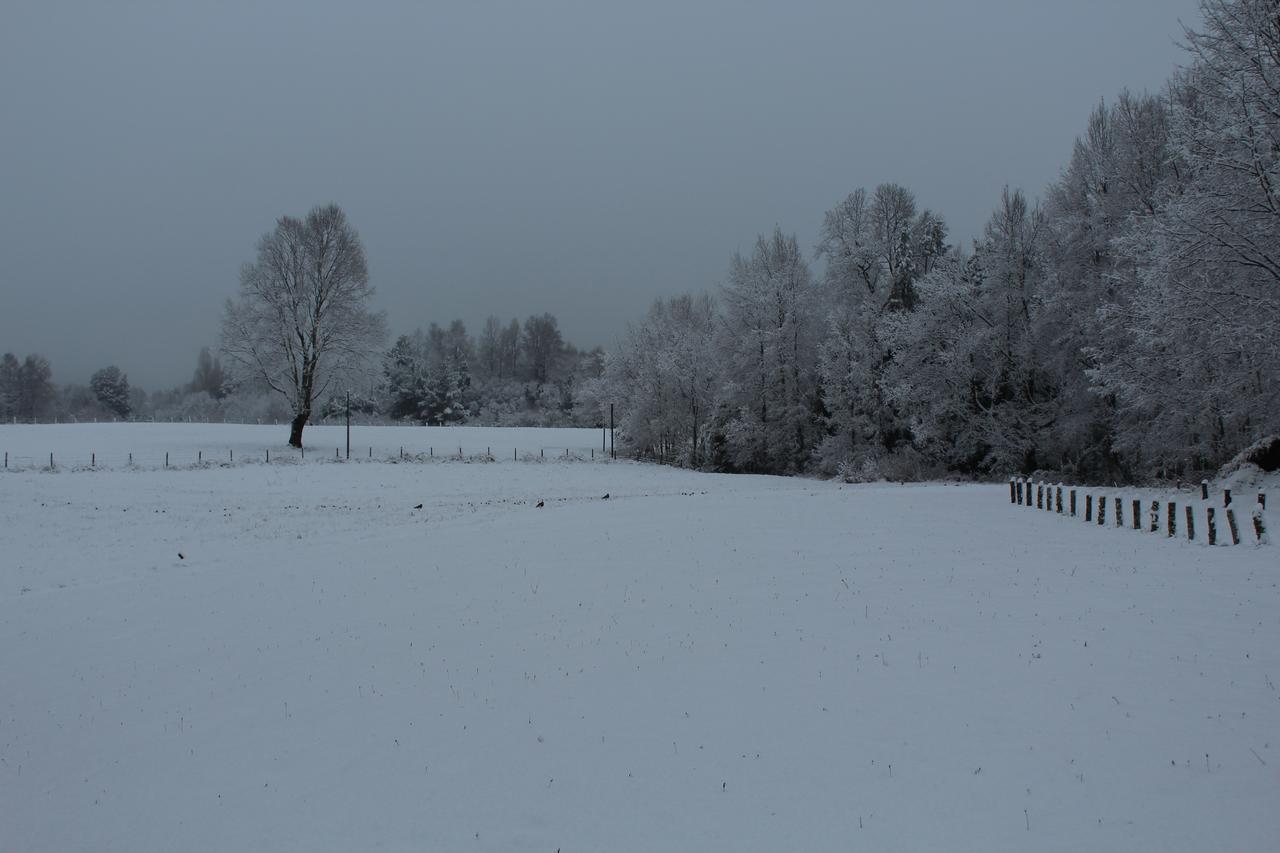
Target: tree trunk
(295, 428)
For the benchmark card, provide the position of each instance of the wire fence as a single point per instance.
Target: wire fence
(228, 457)
(1197, 515)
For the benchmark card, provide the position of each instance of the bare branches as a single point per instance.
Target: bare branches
(302, 323)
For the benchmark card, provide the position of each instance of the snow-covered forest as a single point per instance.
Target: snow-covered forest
(1122, 327)
(1126, 326)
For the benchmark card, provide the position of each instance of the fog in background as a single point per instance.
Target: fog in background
(576, 158)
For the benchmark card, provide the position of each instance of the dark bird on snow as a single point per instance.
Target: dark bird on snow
(539, 504)
(606, 497)
(419, 506)
(181, 556)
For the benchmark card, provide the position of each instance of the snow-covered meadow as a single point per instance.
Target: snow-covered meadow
(298, 657)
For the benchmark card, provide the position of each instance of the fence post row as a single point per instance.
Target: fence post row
(1049, 497)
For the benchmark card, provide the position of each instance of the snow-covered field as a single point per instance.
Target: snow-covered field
(699, 662)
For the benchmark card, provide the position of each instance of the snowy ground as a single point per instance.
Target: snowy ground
(699, 662)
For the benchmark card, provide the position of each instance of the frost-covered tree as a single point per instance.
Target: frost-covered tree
(404, 369)
(876, 247)
(302, 323)
(1192, 359)
(769, 354)
(664, 379)
(1120, 173)
(111, 389)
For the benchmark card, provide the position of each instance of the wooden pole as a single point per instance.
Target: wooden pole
(1191, 525)
(1137, 514)
(1171, 520)
(1102, 510)
(1059, 499)
(166, 459)
(1073, 503)
(1204, 490)
(1259, 524)
(1211, 525)
(1019, 485)
(1040, 496)
(1231, 525)
(1155, 516)
(1088, 507)
(1226, 497)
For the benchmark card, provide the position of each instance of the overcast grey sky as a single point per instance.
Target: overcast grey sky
(580, 158)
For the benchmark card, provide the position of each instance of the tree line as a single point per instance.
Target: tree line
(1121, 328)
(1127, 326)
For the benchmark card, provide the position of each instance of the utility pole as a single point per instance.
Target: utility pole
(348, 425)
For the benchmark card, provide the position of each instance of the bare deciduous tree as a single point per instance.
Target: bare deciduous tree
(302, 322)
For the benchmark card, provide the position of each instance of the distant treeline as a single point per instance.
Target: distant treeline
(513, 374)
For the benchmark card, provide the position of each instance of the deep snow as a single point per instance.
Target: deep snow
(699, 662)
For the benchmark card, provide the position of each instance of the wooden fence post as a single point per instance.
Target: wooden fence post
(1017, 486)
(1211, 526)
(1011, 489)
(1171, 520)
(1137, 515)
(1088, 507)
(1226, 497)
(1259, 524)
(1073, 503)
(1191, 525)
(1102, 510)
(1059, 499)
(1040, 496)
(1155, 516)
(1204, 490)
(1231, 525)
